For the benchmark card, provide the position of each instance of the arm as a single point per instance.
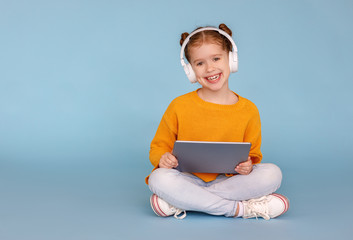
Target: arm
(163, 141)
(252, 135)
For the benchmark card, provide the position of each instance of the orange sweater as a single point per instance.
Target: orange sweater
(190, 118)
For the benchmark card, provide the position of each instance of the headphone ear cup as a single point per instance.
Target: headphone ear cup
(233, 61)
(190, 73)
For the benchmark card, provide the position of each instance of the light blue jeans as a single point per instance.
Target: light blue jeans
(219, 197)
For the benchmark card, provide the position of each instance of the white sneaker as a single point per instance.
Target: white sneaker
(164, 209)
(269, 206)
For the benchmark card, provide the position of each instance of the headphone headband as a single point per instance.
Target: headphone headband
(235, 49)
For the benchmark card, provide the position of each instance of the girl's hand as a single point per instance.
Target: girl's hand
(168, 161)
(244, 168)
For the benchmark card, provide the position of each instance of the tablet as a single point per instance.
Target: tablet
(210, 157)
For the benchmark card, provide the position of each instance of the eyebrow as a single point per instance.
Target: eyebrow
(215, 55)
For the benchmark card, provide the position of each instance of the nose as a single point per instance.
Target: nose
(210, 67)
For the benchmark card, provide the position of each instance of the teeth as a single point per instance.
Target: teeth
(213, 77)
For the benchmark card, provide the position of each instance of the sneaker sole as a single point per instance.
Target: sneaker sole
(155, 206)
(285, 201)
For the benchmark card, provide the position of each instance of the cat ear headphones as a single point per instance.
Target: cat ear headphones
(233, 55)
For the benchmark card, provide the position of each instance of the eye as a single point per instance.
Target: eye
(216, 59)
(199, 64)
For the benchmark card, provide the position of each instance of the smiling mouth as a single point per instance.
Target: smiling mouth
(214, 78)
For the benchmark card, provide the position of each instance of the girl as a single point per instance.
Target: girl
(212, 113)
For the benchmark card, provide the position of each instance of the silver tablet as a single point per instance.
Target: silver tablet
(210, 157)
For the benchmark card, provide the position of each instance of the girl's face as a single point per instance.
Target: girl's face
(211, 66)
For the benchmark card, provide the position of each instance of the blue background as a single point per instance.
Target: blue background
(84, 84)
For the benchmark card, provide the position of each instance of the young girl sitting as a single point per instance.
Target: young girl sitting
(212, 113)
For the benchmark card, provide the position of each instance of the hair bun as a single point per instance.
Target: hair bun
(183, 37)
(224, 27)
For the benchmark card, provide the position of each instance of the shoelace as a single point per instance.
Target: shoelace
(258, 207)
(178, 212)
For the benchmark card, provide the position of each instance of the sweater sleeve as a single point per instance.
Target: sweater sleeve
(253, 135)
(165, 136)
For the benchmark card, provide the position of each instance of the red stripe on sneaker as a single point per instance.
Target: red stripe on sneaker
(153, 207)
(157, 207)
(287, 203)
(284, 200)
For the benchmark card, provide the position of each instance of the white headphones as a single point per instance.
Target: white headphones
(233, 55)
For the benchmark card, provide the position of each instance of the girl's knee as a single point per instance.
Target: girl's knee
(161, 177)
(271, 173)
